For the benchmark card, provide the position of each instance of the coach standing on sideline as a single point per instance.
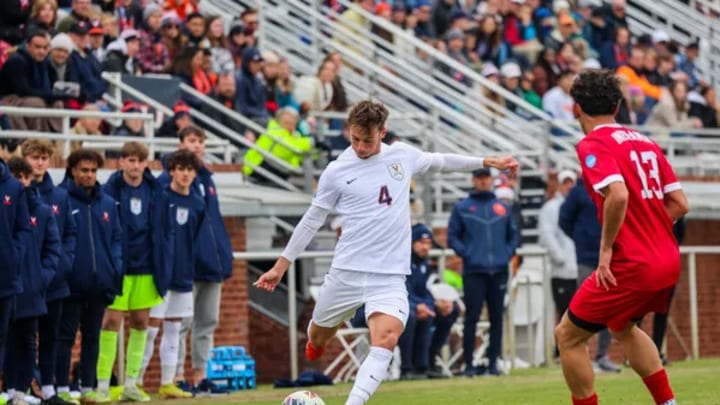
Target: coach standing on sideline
(483, 233)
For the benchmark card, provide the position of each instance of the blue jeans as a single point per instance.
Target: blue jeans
(483, 288)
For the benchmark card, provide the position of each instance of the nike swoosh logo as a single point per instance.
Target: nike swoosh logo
(350, 181)
(75, 211)
(401, 311)
(372, 377)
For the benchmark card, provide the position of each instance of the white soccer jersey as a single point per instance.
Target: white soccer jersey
(373, 197)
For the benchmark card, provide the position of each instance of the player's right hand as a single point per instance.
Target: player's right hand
(604, 277)
(269, 280)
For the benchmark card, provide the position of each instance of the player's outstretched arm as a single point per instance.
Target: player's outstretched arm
(503, 163)
(305, 230)
(452, 161)
(676, 204)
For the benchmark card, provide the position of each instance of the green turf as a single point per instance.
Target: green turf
(695, 383)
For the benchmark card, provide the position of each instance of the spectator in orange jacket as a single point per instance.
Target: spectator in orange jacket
(183, 8)
(633, 72)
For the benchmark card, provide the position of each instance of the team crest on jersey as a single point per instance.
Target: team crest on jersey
(55, 209)
(396, 171)
(106, 216)
(181, 215)
(590, 161)
(7, 200)
(499, 209)
(136, 206)
(33, 221)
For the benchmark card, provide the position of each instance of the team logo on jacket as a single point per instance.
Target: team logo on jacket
(136, 206)
(33, 221)
(499, 209)
(7, 200)
(396, 171)
(211, 190)
(106, 216)
(55, 209)
(181, 215)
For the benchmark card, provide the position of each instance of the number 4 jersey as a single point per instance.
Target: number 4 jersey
(645, 253)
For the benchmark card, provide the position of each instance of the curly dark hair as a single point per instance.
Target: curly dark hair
(597, 92)
(183, 158)
(19, 167)
(84, 154)
(368, 115)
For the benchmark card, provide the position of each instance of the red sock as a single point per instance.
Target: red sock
(591, 400)
(659, 387)
(312, 353)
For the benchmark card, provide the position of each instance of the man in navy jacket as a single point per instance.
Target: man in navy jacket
(483, 233)
(14, 226)
(37, 152)
(39, 265)
(97, 273)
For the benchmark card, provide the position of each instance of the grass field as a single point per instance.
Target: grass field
(694, 383)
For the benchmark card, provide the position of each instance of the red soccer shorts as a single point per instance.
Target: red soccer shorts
(593, 308)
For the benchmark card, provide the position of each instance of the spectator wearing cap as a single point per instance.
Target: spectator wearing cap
(87, 67)
(96, 40)
(660, 41)
(14, 15)
(703, 105)
(422, 12)
(442, 14)
(425, 312)
(481, 230)
(672, 109)
(172, 37)
(154, 56)
(182, 8)
(195, 30)
(491, 45)
(122, 53)
(686, 63)
(560, 247)
(566, 31)
(557, 101)
(633, 71)
(61, 71)
(383, 11)
(491, 72)
(130, 126)
(616, 53)
(222, 59)
(80, 12)
(250, 93)
(43, 16)
(180, 120)
(510, 74)
(455, 40)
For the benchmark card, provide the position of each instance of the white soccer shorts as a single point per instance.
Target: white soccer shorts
(174, 305)
(344, 291)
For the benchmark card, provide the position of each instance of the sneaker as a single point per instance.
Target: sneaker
(58, 400)
(470, 372)
(133, 394)
(185, 387)
(95, 397)
(207, 387)
(172, 391)
(17, 401)
(312, 353)
(436, 372)
(605, 364)
(67, 397)
(115, 392)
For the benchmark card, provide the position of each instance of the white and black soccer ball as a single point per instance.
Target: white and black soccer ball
(303, 398)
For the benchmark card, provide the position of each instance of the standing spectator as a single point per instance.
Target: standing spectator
(14, 16)
(43, 16)
(38, 152)
(616, 53)
(559, 246)
(96, 275)
(80, 13)
(705, 107)
(25, 82)
(154, 56)
(482, 232)
(182, 8)
(148, 252)
(39, 265)
(88, 69)
(686, 63)
(594, 30)
(579, 220)
(122, 54)
(195, 30)
(172, 37)
(15, 217)
(222, 59)
(557, 101)
(425, 312)
(250, 89)
(672, 109)
(211, 268)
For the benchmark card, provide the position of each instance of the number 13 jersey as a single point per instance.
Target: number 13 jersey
(645, 253)
(373, 197)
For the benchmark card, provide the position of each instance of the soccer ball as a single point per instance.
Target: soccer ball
(303, 398)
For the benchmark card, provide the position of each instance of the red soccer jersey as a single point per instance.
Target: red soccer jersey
(645, 253)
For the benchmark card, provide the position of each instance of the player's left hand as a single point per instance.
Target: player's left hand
(604, 276)
(505, 163)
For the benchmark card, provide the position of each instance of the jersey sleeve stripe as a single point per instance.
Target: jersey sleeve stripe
(669, 188)
(613, 178)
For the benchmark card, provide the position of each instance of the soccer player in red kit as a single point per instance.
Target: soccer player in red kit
(638, 199)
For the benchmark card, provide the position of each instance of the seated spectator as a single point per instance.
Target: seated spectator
(188, 67)
(510, 74)
(173, 39)
(154, 56)
(85, 126)
(25, 82)
(491, 72)
(88, 69)
(60, 70)
(455, 40)
(315, 93)
(672, 109)
(180, 120)
(96, 41)
(270, 74)
(239, 38)
(625, 115)
(705, 107)
(491, 45)
(520, 31)
(594, 30)
(470, 51)
(384, 11)
(442, 13)
(286, 86)
(566, 31)
(110, 28)
(130, 126)
(615, 15)
(633, 71)
(545, 71)
(182, 8)
(224, 93)
(351, 23)
(557, 101)
(566, 57)
(80, 13)
(43, 16)
(249, 19)
(424, 29)
(526, 86)
(14, 15)
(250, 89)
(122, 54)
(686, 63)
(130, 14)
(615, 53)
(195, 31)
(222, 59)
(339, 100)
(284, 130)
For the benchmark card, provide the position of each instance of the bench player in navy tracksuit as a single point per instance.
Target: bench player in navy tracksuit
(43, 250)
(37, 152)
(97, 271)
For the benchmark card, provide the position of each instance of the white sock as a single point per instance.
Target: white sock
(62, 389)
(152, 333)
(11, 393)
(103, 385)
(19, 395)
(371, 373)
(130, 382)
(169, 346)
(48, 391)
(670, 402)
(85, 390)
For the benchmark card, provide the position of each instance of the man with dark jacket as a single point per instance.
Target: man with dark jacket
(97, 273)
(250, 89)
(212, 267)
(483, 233)
(85, 65)
(25, 82)
(122, 53)
(37, 152)
(578, 219)
(224, 93)
(80, 12)
(14, 14)
(148, 246)
(39, 265)
(15, 221)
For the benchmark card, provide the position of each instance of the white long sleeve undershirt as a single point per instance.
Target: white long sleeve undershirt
(304, 232)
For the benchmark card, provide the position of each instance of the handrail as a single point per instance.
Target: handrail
(61, 112)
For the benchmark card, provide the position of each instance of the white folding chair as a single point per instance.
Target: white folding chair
(528, 316)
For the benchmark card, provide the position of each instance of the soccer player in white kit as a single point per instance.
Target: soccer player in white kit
(369, 186)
